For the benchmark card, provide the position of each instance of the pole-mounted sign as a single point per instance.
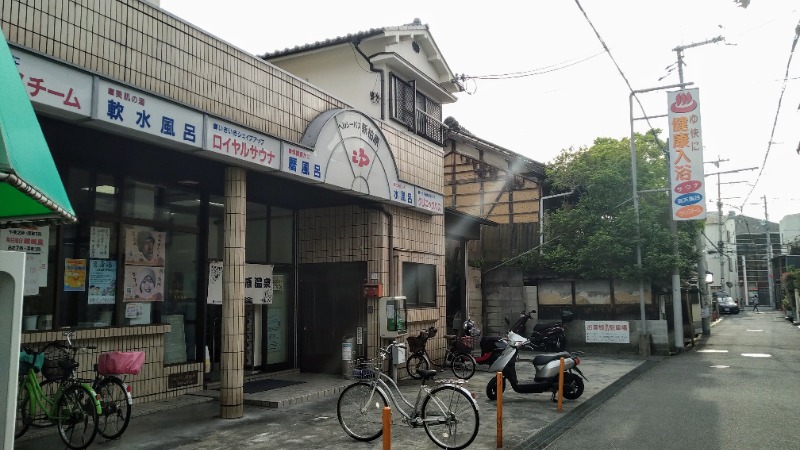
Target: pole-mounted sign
(686, 155)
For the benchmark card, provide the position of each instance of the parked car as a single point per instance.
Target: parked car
(727, 305)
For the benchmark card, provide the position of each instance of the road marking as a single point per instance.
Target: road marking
(755, 330)
(719, 367)
(757, 355)
(712, 351)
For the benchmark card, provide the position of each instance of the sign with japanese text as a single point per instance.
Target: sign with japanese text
(140, 113)
(31, 240)
(301, 162)
(99, 242)
(233, 143)
(258, 284)
(615, 332)
(102, 281)
(686, 155)
(428, 201)
(74, 275)
(403, 193)
(54, 86)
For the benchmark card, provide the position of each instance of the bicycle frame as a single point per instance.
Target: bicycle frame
(424, 391)
(40, 401)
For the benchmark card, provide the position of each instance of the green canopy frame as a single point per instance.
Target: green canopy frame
(31, 191)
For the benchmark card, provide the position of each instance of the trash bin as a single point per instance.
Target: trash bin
(347, 356)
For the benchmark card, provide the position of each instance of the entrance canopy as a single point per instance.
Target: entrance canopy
(31, 191)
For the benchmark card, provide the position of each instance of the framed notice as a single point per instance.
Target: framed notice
(74, 274)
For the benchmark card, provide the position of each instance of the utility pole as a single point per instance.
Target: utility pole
(673, 228)
(769, 256)
(746, 288)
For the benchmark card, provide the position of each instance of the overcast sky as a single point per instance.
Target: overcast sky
(576, 92)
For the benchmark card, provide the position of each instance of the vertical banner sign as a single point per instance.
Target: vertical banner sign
(686, 155)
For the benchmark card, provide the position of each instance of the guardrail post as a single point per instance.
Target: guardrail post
(560, 384)
(387, 428)
(499, 409)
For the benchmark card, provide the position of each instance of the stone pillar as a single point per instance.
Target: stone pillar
(231, 396)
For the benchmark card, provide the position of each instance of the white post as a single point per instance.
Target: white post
(12, 282)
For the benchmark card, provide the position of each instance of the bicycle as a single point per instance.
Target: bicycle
(448, 412)
(457, 356)
(73, 405)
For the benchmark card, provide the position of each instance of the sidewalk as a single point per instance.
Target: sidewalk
(304, 415)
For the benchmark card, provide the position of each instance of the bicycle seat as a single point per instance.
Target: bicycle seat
(426, 374)
(450, 337)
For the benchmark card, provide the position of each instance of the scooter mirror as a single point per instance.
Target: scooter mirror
(508, 322)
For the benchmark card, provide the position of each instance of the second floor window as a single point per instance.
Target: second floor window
(416, 111)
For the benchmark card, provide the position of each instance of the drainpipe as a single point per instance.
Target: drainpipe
(372, 68)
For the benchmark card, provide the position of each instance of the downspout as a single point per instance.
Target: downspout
(356, 42)
(391, 290)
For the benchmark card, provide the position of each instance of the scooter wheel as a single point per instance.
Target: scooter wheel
(491, 388)
(573, 386)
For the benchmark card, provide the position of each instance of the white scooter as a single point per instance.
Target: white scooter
(547, 369)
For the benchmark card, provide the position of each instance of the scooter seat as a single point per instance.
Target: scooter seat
(540, 360)
(544, 326)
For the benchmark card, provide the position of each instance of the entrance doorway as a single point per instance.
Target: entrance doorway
(331, 306)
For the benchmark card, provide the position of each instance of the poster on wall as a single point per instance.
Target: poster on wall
(143, 283)
(215, 283)
(258, 284)
(102, 281)
(33, 264)
(144, 247)
(99, 242)
(31, 240)
(74, 275)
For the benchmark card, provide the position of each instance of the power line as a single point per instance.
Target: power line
(777, 112)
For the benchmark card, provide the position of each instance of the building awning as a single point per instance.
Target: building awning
(31, 191)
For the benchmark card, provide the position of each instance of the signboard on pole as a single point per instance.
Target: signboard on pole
(686, 155)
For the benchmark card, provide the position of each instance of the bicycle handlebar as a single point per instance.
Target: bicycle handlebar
(385, 350)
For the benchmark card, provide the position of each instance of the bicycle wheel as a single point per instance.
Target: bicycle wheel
(40, 419)
(450, 417)
(414, 363)
(77, 417)
(113, 394)
(463, 366)
(360, 411)
(23, 422)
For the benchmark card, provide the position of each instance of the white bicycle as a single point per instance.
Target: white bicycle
(448, 412)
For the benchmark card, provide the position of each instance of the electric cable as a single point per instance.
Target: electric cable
(777, 113)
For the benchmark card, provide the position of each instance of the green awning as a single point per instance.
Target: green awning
(31, 191)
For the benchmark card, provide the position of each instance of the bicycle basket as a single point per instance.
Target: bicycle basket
(416, 344)
(58, 363)
(120, 363)
(366, 369)
(463, 344)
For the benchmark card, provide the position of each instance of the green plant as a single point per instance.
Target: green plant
(787, 305)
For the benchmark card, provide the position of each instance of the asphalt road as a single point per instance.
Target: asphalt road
(739, 389)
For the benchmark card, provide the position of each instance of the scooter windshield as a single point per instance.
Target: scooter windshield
(514, 339)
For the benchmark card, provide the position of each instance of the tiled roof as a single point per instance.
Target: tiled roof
(414, 26)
